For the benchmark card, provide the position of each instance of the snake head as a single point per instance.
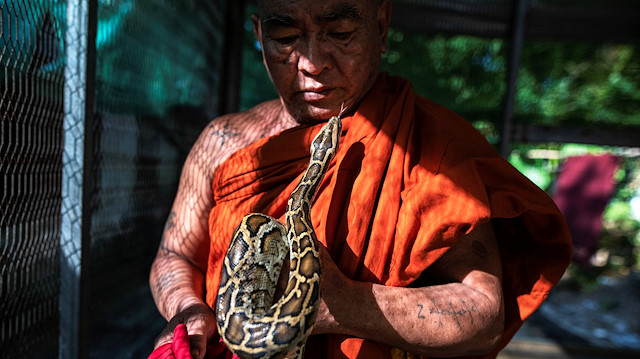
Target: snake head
(325, 144)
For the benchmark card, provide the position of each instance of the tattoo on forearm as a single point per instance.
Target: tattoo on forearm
(160, 285)
(455, 313)
(167, 227)
(168, 283)
(167, 280)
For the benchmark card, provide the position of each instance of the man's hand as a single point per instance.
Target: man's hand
(332, 288)
(201, 325)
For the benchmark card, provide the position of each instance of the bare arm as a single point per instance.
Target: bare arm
(177, 273)
(465, 316)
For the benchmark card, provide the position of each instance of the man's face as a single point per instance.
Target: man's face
(321, 53)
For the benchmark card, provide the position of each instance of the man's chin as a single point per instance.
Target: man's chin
(314, 113)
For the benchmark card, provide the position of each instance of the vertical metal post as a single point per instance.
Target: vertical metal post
(518, 28)
(232, 57)
(79, 93)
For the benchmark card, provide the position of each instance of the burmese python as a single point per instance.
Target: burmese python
(247, 322)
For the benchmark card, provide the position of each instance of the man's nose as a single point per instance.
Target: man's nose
(314, 57)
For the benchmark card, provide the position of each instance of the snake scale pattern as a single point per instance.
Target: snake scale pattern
(249, 324)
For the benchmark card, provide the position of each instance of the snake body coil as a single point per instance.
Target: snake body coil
(249, 324)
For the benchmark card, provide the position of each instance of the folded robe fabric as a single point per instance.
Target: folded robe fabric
(409, 180)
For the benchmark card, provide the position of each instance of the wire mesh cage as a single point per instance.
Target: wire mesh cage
(31, 110)
(155, 87)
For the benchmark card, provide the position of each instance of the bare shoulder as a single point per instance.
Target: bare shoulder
(229, 133)
(476, 252)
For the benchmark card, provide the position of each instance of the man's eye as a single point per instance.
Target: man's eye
(341, 36)
(287, 40)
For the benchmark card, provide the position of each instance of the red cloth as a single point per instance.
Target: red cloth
(179, 347)
(583, 190)
(409, 180)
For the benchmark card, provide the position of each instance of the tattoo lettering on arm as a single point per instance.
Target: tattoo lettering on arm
(463, 310)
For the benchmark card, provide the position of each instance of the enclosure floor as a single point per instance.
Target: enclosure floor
(602, 323)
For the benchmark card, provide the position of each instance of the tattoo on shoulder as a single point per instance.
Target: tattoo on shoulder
(479, 249)
(170, 221)
(225, 133)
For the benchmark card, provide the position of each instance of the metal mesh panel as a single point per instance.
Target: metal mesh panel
(157, 77)
(31, 110)
(489, 18)
(256, 84)
(156, 84)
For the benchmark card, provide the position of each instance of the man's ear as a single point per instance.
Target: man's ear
(257, 29)
(384, 17)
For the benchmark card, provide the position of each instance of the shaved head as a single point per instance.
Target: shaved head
(262, 2)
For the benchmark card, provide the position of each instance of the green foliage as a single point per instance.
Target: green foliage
(488, 129)
(559, 82)
(464, 73)
(579, 83)
(533, 169)
(621, 231)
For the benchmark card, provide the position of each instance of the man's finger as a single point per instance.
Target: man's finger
(198, 345)
(162, 339)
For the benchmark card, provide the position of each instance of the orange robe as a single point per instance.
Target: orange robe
(410, 178)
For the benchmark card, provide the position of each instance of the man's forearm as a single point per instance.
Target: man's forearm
(445, 320)
(175, 284)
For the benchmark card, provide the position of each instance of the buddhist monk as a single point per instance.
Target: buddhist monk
(431, 244)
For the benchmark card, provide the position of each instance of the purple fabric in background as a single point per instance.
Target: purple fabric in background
(584, 187)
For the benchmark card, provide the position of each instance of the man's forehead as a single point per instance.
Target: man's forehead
(289, 12)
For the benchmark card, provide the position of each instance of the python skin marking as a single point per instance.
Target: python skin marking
(248, 323)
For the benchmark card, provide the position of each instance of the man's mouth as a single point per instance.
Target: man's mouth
(314, 95)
